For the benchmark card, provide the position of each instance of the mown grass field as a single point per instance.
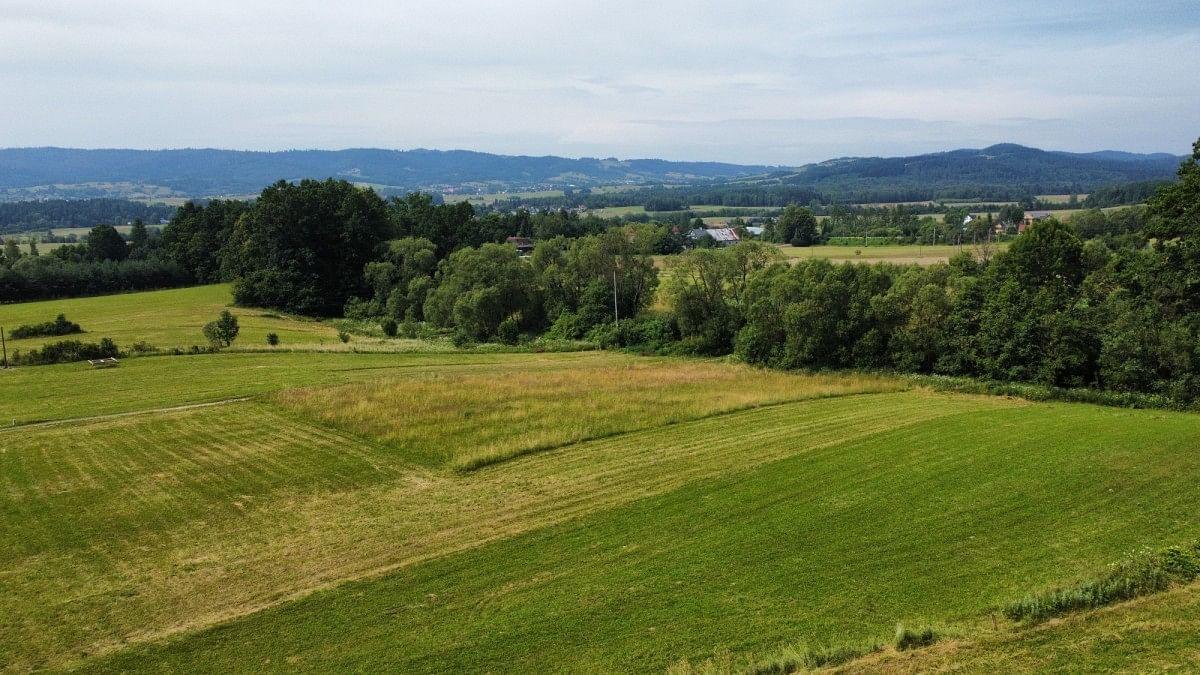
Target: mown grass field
(647, 510)
(165, 319)
(586, 511)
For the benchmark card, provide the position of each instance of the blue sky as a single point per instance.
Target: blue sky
(754, 82)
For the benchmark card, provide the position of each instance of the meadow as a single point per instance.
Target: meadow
(585, 511)
(900, 255)
(164, 319)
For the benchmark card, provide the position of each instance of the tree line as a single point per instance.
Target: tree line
(1056, 310)
(40, 216)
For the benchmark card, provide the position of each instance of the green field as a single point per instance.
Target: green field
(905, 254)
(171, 318)
(585, 511)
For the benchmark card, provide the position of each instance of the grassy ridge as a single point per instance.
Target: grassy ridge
(828, 542)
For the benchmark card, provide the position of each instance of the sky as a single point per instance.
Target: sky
(757, 82)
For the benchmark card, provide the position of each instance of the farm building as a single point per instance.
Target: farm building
(524, 245)
(1032, 217)
(723, 236)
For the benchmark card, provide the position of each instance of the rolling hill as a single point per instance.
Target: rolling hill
(41, 173)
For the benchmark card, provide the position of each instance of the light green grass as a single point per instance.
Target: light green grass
(904, 254)
(493, 197)
(618, 211)
(170, 318)
(825, 522)
(42, 393)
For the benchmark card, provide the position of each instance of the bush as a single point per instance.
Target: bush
(907, 639)
(67, 351)
(508, 332)
(273, 339)
(223, 331)
(390, 327)
(143, 347)
(1138, 574)
(343, 336)
(59, 326)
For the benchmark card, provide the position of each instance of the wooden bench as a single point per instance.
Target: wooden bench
(110, 362)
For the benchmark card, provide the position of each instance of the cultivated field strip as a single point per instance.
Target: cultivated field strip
(210, 514)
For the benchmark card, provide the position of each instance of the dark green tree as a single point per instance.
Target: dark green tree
(223, 331)
(303, 247)
(105, 243)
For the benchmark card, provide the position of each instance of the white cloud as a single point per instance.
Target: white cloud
(778, 82)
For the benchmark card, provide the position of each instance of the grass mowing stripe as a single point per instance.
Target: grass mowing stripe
(206, 560)
(832, 545)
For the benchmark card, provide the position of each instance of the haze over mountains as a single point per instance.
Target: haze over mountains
(35, 173)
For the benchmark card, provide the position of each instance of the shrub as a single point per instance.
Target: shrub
(59, 326)
(508, 332)
(273, 339)
(461, 340)
(390, 327)
(1137, 574)
(907, 639)
(142, 347)
(343, 336)
(360, 310)
(67, 351)
(223, 331)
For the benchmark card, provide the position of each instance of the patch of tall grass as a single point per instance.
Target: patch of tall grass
(1140, 573)
(472, 420)
(1038, 392)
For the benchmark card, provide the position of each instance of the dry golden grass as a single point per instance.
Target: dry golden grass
(470, 420)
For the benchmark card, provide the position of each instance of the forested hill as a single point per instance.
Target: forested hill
(999, 171)
(996, 171)
(200, 173)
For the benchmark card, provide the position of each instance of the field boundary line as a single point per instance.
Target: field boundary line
(119, 415)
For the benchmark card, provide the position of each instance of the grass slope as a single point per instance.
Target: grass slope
(823, 521)
(170, 318)
(1151, 634)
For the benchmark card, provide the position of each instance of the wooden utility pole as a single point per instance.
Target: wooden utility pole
(616, 318)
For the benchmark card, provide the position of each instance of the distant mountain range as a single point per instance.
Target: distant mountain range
(33, 173)
(202, 173)
(993, 170)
